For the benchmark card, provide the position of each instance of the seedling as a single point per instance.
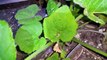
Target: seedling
(27, 36)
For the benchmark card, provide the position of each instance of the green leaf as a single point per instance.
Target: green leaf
(63, 54)
(60, 25)
(27, 35)
(52, 6)
(92, 7)
(39, 43)
(55, 56)
(30, 20)
(27, 13)
(7, 44)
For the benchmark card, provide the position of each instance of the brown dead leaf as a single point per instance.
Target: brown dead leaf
(56, 48)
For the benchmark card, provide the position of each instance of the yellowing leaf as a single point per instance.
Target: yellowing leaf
(60, 25)
(7, 44)
(57, 48)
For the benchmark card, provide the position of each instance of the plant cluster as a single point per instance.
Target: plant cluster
(59, 27)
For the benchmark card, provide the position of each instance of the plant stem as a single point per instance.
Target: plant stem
(83, 24)
(38, 51)
(79, 17)
(90, 47)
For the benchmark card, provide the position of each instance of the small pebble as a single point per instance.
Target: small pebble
(99, 45)
(102, 30)
(86, 41)
(95, 58)
(78, 35)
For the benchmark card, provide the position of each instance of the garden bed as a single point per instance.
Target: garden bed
(90, 33)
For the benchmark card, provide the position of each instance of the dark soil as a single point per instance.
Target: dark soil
(89, 33)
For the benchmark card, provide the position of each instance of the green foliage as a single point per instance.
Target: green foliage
(55, 56)
(103, 18)
(74, 9)
(24, 16)
(63, 54)
(52, 6)
(40, 43)
(27, 36)
(58, 24)
(7, 44)
(27, 12)
(30, 20)
(92, 7)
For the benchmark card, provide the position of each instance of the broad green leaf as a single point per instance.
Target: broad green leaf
(39, 43)
(27, 15)
(55, 56)
(92, 7)
(7, 44)
(60, 25)
(28, 12)
(52, 6)
(30, 20)
(27, 35)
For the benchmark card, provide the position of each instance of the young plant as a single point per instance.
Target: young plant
(27, 36)
(92, 7)
(7, 44)
(59, 26)
(56, 28)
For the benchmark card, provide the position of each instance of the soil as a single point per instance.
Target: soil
(90, 33)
